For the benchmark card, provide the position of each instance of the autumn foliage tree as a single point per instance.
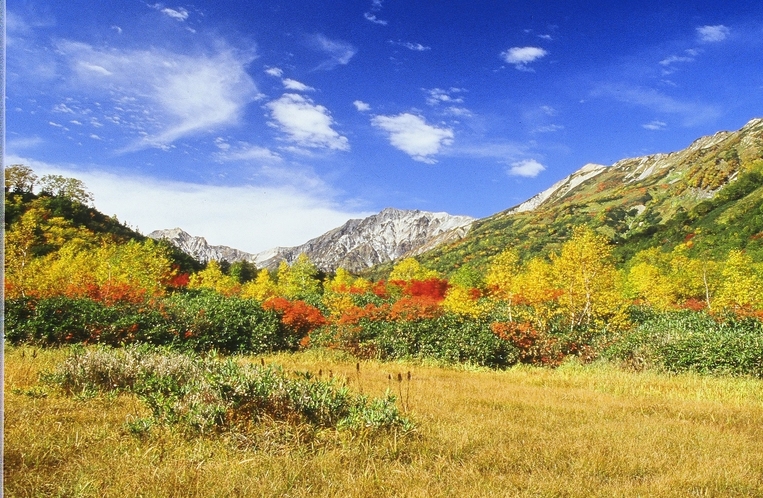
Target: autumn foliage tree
(585, 273)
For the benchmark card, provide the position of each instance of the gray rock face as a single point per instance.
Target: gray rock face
(355, 246)
(361, 244)
(199, 248)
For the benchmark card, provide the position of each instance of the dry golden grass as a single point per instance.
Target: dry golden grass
(574, 431)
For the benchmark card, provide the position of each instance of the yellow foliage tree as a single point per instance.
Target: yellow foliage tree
(299, 280)
(463, 301)
(336, 295)
(261, 288)
(409, 269)
(501, 277)
(535, 285)
(586, 275)
(212, 277)
(666, 280)
(742, 284)
(133, 270)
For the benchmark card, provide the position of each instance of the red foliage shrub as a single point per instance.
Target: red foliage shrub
(109, 294)
(380, 289)
(409, 309)
(694, 304)
(434, 288)
(354, 314)
(178, 281)
(535, 348)
(298, 316)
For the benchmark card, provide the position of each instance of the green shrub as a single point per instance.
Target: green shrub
(65, 320)
(199, 321)
(207, 320)
(693, 341)
(207, 394)
(449, 338)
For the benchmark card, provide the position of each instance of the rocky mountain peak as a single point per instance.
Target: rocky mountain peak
(356, 245)
(199, 248)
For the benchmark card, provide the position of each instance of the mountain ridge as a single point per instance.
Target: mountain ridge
(658, 199)
(356, 245)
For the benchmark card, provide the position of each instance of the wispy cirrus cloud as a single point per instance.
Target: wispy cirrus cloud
(655, 125)
(416, 47)
(691, 113)
(450, 99)
(305, 123)
(243, 151)
(339, 52)
(712, 34)
(411, 134)
(178, 13)
(520, 57)
(161, 95)
(370, 15)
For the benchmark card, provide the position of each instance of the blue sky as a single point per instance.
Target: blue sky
(257, 124)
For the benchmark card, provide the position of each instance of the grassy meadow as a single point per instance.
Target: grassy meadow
(592, 430)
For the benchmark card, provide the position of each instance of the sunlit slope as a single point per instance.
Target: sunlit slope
(710, 193)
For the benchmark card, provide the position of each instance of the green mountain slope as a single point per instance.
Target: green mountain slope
(710, 193)
(74, 214)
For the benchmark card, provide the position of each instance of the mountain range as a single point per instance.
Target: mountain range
(357, 245)
(709, 188)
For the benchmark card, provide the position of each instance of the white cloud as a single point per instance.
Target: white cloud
(411, 134)
(675, 58)
(655, 125)
(548, 110)
(416, 47)
(437, 96)
(361, 106)
(221, 144)
(340, 52)
(522, 56)
(376, 6)
(529, 168)
(371, 17)
(306, 123)
(295, 85)
(63, 108)
(178, 13)
(274, 71)
(713, 33)
(287, 209)
(458, 111)
(170, 95)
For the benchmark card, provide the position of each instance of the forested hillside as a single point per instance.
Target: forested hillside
(708, 199)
